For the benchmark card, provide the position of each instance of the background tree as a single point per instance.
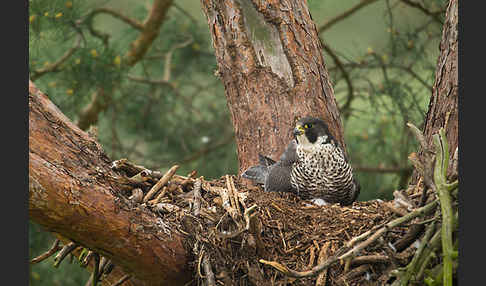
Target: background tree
(140, 107)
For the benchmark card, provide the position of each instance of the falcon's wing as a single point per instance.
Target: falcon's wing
(265, 161)
(289, 156)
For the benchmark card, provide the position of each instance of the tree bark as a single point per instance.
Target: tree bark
(270, 61)
(72, 192)
(443, 105)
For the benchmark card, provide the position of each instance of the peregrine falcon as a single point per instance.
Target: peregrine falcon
(313, 166)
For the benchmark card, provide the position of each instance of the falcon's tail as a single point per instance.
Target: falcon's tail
(257, 173)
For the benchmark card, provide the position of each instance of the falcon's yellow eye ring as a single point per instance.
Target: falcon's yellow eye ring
(307, 126)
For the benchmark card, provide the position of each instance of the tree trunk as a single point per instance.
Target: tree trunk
(443, 105)
(443, 111)
(270, 61)
(71, 192)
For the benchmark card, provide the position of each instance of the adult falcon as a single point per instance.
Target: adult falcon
(313, 166)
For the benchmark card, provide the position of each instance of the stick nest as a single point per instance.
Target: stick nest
(242, 235)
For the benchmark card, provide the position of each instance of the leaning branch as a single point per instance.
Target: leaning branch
(151, 28)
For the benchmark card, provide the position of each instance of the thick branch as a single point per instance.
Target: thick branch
(100, 100)
(151, 28)
(72, 191)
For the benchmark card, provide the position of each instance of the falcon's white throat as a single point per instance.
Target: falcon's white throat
(307, 146)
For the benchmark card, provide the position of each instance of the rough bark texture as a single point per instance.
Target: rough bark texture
(270, 61)
(443, 106)
(71, 192)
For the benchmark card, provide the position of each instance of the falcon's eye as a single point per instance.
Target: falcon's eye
(307, 126)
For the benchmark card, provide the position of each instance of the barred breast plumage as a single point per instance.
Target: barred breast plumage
(323, 172)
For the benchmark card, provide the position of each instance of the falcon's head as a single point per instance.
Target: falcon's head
(311, 130)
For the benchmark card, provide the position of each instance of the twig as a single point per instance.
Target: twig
(392, 224)
(344, 15)
(413, 265)
(428, 254)
(359, 238)
(159, 196)
(151, 27)
(155, 188)
(66, 249)
(208, 271)
(141, 177)
(312, 256)
(249, 214)
(108, 267)
(116, 14)
(323, 254)
(99, 271)
(123, 279)
(168, 58)
(152, 81)
(390, 251)
(96, 269)
(401, 198)
(137, 195)
(132, 169)
(54, 248)
(342, 280)
(87, 258)
(370, 259)
(424, 10)
(193, 20)
(405, 241)
(54, 66)
(398, 211)
(226, 203)
(197, 197)
(233, 193)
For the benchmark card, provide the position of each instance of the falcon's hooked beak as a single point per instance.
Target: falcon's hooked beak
(298, 130)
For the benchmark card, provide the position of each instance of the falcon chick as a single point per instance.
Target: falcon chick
(313, 166)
